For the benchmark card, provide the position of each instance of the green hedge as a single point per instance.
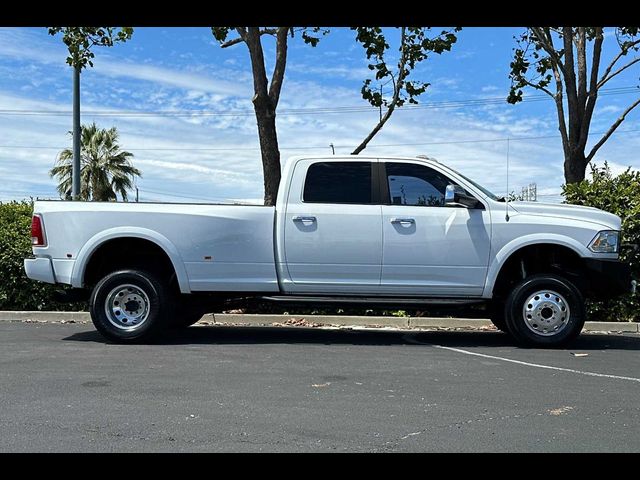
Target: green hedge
(619, 195)
(17, 292)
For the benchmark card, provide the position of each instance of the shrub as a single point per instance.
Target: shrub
(619, 195)
(17, 292)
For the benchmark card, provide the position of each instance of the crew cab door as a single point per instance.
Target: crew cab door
(332, 228)
(428, 248)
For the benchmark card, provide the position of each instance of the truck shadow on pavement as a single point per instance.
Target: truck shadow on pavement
(224, 335)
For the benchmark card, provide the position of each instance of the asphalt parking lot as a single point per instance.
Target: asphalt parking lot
(237, 389)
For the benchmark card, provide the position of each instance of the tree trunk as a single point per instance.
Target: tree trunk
(265, 105)
(266, 119)
(575, 165)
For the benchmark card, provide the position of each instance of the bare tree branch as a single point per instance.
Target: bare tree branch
(562, 126)
(232, 42)
(620, 70)
(538, 87)
(570, 85)
(595, 61)
(281, 62)
(257, 65)
(581, 48)
(620, 54)
(242, 36)
(611, 130)
(593, 88)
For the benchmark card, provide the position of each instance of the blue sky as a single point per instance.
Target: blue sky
(216, 157)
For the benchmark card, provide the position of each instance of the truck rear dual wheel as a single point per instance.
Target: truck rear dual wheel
(544, 311)
(131, 306)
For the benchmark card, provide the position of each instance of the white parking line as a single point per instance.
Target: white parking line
(535, 365)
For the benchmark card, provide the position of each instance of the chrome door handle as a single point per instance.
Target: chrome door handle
(403, 221)
(299, 218)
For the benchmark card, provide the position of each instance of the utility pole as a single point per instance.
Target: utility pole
(137, 195)
(333, 150)
(75, 172)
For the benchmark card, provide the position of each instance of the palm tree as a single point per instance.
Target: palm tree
(105, 170)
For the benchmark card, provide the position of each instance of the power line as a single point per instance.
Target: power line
(298, 111)
(229, 149)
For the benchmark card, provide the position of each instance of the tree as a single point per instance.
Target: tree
(80, 41)
(570, 58)
(106, 169)
(415, 47)
(267, 92)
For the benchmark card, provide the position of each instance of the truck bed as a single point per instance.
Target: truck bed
(222, 247)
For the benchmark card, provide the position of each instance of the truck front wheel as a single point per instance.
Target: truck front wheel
(131, 306)
(545, 311)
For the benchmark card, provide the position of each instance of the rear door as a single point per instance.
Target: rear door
(430, 249)
(333, 228)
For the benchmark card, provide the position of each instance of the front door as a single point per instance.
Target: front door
(333, 228)
(430, 249)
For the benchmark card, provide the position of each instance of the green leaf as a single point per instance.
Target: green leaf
(80, 40)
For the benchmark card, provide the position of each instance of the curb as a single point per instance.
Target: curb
(306, 320)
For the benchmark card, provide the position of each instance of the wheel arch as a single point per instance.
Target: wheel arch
(102, 239)
(521, 246)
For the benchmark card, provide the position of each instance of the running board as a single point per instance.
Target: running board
(372, 300)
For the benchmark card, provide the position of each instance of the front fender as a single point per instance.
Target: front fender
(516, 244)
(100, 238)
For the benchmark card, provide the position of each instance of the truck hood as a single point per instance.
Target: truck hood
(574, 212)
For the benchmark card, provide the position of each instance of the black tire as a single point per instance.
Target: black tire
(150, 297)
(496, 315)
(545, 320)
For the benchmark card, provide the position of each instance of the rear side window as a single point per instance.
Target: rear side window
(338, 182)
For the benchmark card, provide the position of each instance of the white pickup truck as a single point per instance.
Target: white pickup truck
(377, 231)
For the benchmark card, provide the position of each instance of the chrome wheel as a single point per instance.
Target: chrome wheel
(546, 313)
(127, 307)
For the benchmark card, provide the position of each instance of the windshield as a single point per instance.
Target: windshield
(488, 193)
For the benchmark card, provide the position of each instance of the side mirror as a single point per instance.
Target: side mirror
(455, 196)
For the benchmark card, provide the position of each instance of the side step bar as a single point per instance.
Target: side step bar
(378, 301)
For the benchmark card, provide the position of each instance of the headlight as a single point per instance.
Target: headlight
(606, 241)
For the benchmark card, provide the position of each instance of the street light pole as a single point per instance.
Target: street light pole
(75, 173)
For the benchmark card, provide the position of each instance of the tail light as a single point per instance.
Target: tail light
(37, 232)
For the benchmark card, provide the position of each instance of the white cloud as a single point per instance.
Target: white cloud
(170, 77)
(341, 71)
(19, 45)
(609, 109)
